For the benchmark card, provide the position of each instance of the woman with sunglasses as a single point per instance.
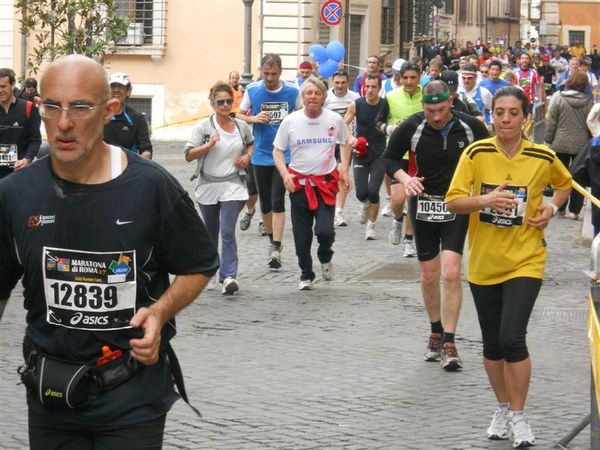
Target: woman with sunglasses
(222, 147)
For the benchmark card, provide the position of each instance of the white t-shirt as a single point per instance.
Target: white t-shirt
(311, 141)
(219, 162)
(341, 104)
(486, 97)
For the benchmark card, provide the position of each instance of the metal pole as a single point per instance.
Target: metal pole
(247, 75)
(595, 420)
(24, 46)
(347, 33)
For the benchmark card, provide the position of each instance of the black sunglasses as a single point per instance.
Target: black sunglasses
(223, 101)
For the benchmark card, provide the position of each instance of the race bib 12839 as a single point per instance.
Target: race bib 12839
(89, 291)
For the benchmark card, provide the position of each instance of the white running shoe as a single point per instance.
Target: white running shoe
(339, 220)
(498, 429)
(212, 283)
(387, 209)
(363, 213)
(519, 431)
(410, 249)
(230, 286)
(327, 271)
(395, 232)
(370, 234)
(305, 285)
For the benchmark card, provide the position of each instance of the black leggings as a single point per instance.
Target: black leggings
(368, 177)
(48, 432)
(503, 311)
(251, 180)
(270, 187)
(575, 198)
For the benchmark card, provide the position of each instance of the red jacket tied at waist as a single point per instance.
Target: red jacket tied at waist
(326, 184)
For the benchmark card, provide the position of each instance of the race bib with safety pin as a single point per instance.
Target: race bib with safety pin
(8, 155)
(432, 208)
(88, 290)
(512, 218)
(277, 111)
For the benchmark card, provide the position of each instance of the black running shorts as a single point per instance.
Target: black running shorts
(430, 236)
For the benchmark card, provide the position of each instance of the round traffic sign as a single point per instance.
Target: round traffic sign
(331, 12)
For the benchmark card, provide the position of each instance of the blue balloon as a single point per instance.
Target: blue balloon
(336, 50)
(328, 68)
(318, 53)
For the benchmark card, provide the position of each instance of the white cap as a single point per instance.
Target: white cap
(398, 65)
(120, 78)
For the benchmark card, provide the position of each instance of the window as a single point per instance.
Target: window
(576, 36)
(388, 21)
(462, 11)
(147, 21)
(449, 7)
(142, 105)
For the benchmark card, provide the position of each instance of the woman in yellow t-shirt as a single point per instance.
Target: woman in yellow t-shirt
(500, 182)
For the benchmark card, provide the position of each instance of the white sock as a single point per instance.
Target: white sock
(370, 224)
(339, 210)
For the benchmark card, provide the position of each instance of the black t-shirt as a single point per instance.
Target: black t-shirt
(434, 154)
(19, 128)
(129, 130)
(366, 116)
(547, 72)
(91, 255)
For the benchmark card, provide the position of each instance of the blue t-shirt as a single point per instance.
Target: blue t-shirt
(278, 104)
(492, 85)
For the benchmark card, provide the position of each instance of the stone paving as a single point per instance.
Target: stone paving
(341, 367)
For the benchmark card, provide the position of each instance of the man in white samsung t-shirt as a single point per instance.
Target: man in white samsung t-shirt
(312, 176)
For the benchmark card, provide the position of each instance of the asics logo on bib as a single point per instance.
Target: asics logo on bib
(88, 320)
(123, 222)
(500, 221)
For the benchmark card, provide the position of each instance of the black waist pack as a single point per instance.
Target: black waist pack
(58, 383)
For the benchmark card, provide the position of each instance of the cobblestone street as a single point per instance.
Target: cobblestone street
(341, 367)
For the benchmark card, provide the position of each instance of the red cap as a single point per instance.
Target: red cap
(305, 66)
(545, 58)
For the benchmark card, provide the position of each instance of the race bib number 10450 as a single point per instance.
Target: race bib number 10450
(89, 291)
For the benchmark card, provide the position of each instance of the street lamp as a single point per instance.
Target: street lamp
(247, 75)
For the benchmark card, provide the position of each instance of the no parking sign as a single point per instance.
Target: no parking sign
(331, 12)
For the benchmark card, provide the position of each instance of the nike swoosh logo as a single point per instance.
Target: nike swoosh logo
(124, 222)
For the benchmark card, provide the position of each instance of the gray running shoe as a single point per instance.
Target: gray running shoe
(433, 347)
(387, 209)
(327, 271)
(498, 429)
(370, 234)
(363, 213)
(395, 232)
(410, 249)
(262, 230)
(339, 220)
(245, 221)
(274, 261)
(450, 360)
(305, 285)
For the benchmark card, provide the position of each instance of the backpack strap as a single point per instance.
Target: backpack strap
(28, 107)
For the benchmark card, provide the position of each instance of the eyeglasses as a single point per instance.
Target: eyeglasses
(223, 101)
(50, 111)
